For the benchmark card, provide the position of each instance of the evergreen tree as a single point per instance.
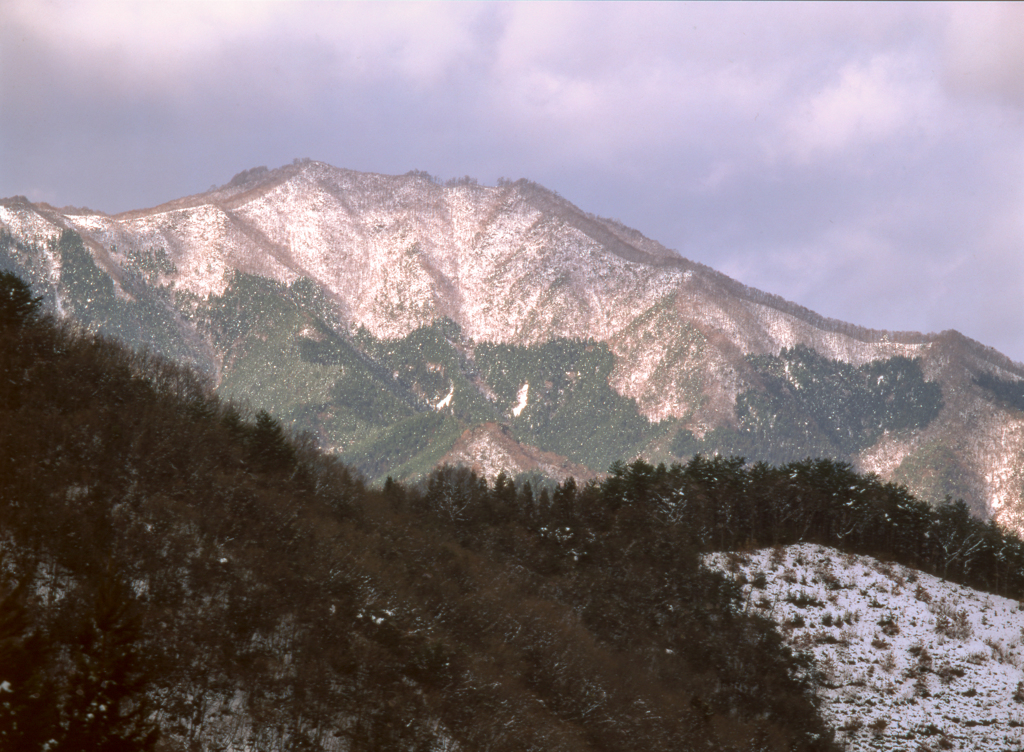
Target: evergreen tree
(17, 305)
(270, 448)
(104, 708)
(26, 696)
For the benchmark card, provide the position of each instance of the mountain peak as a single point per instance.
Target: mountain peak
(689, 350)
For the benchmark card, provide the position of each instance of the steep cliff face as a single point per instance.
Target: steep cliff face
(383, 257)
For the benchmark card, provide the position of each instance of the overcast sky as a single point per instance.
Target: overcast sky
(865, 161)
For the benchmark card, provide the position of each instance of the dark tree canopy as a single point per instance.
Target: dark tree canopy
(18, 306)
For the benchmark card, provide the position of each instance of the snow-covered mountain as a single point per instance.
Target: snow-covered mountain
(907, 661)
(366, 257)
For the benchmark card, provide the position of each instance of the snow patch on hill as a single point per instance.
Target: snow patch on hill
(907, 661)
(523, 397)
(489, 450)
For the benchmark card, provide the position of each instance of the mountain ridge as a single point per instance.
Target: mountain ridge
(228, 197)
(519, 265)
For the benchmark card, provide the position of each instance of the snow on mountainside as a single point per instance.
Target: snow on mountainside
(489, 450)
(907, 661)
(509, 264)
(519, 265)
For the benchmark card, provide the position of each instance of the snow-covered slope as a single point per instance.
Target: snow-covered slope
(518, 264)
(907, 660)
(489, 450)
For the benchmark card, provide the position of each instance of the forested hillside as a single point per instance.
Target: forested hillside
(397, 406)
(179, 573)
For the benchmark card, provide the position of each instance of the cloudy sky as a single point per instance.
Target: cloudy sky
(865, 161)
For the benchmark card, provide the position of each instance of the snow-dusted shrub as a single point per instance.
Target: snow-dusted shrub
(854, 725)
(950, 621)
(889, 626)
(803, 600)
(999, 651)
(803, 641)
(824, 637)
(828, 667)
(879, 725)
(977, 657)
(735, 560)
(823, 573)
(924, 658)
(948, 673)
(888, 662)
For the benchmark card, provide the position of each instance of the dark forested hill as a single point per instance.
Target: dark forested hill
(181, 575)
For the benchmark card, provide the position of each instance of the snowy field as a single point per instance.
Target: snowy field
(907, 660)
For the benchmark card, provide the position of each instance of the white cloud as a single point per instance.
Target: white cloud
(172, 46)
(985, 50)
(869, 102)
(130, 39)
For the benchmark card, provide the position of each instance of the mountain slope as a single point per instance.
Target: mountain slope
(359, 260)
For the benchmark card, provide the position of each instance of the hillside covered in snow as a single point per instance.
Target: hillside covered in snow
(903, 660)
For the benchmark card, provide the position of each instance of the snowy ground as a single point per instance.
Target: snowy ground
(909, 661)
